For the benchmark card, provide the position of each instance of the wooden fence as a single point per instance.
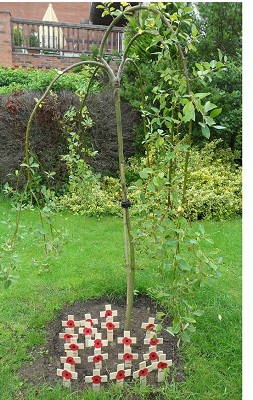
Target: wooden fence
(63, 39)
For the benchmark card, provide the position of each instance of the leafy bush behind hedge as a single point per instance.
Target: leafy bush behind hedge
(214, 188)
(20, 80)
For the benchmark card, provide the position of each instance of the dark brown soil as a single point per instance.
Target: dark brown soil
(47, 357)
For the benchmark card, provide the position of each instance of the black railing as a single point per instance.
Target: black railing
(62, 38)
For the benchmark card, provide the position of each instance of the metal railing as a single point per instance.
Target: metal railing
(62, 38)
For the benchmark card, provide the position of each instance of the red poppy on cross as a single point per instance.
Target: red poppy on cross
(70, 361)
(71, 323)
(109, 325)
(87, 318)
(97, 343)
(98, 358)
(128, 356)
(142, 372)
(67, 335)
(108, 312)
(96, 379)
(73, 346)
(66, 374)
(121, 374)
(88, 331)
(127, 340)
(152, 355)
(150, 327)
(162, 365)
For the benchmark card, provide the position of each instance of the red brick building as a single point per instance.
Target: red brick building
(76, 12)
(73, 30)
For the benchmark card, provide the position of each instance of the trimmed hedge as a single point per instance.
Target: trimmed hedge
(49, 142)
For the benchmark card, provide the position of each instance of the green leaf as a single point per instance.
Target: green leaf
(188, 10)
(194, 31)
(209, 120)
(219, 127)
(199, 66)
(215, 112)
(189, 112)
(145, 172)
(198, 313)
(220, 55)
(205, 130)
(209, 106)
(202, 95)
(213, 63)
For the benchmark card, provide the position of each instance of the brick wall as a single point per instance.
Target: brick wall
(65, 11)
(41, 61)
(5, 39)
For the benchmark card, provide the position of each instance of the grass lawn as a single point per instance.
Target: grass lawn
(92, 265)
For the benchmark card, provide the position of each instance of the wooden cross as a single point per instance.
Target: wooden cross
(70, 361)
(120, 375)
(128, 356)
(153, 355)
(71, 323)
(73, 346)
(98, 358)
(126, 340)
(109, 325)
(67, 335)
(153, 340)
(108, 312)
(142, 372)
(96, 379)
(88, 319)
(97, 343)
(87, 331)
(66, 375)
(161, 365)
(150, 327)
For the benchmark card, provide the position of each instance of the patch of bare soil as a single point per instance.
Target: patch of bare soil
(47, 357)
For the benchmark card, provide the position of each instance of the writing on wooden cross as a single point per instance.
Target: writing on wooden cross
(71, 323)
(87, 318)
(66, 375)
(73, 346)
(108, 312)
(96, 379)
(70, 361)
(98, 358)
(153, 355)
(142, 372)
(162, 365)
(150, 327)
(128, 356)
(153, 340)
(120, 375)
(67, 335)
(87, 331)
(97, 343)
(110, 325)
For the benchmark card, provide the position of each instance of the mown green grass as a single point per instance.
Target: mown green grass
(92, 265)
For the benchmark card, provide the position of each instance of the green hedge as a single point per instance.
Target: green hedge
(19, 80)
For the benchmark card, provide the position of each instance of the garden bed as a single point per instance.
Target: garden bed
(46, 358)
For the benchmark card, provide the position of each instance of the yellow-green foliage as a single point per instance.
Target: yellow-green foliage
(215, 184)
(90, 199)
(214, 188)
